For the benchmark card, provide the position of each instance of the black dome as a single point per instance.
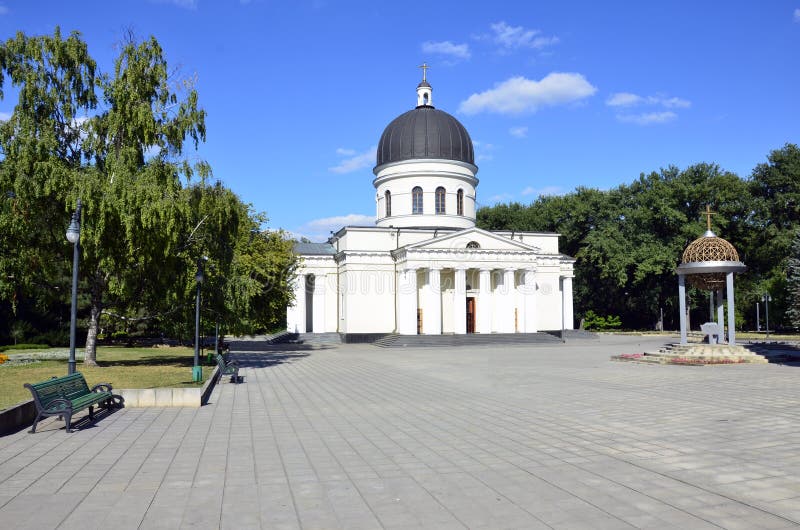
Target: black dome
(425, 132)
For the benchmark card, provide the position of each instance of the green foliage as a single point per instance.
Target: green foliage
(23, 346)
(595, 322)
(628, 240)
(793, 283)
(116, 141)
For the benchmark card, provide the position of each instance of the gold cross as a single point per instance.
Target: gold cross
(708, 215)
(424, 67)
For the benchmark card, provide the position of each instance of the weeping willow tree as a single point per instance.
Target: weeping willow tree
(117, 142)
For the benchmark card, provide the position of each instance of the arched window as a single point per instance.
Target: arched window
(416, 200)
(440, 194)
(473, 244)
(388, 197)
(460, 202)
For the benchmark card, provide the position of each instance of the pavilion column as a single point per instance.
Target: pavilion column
(528, 291)
(298, 322)
(432, 310)
(720, 315)
(508, 301)
(682, 306)
(460, 302)
(566, 302)
(485, 302)
(407, 302)
(731, 311)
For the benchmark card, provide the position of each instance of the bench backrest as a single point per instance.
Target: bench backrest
(221, 361)
(68, 387)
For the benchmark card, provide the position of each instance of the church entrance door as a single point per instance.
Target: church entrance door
(471, 314)
(310, 280)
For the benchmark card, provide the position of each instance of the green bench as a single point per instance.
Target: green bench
(228, 368)
(64, 396)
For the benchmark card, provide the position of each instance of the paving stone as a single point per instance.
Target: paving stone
(475, 437)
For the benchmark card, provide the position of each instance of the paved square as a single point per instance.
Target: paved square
(361, 437)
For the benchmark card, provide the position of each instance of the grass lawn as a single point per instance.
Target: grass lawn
(120, 366)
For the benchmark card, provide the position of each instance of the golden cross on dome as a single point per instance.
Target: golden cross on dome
(424, 67)
(708, 215)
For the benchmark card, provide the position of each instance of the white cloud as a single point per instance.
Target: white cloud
(623, 99)
(500, 197)
(518, 132)
(320, 229)
(797, 15)
(626, 99)
(5, 116)
(512, 37)
(483, 151)
(456, 51)
(185, 4)
(355, 162)
(518, 94)
(647, 118)
(547, 190)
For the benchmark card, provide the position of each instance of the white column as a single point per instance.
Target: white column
(682, 305)
(296, 317)
(528, 292)
(460, 302)
(569, 320)
(318, 304)
(484, 323)
(731, 311)
(407, 302)
(720, 315)
(509, 299)
(432, 312)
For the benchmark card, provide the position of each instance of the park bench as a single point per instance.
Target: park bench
(228, 368)
(64, 396)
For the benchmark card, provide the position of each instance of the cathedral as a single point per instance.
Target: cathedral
(425, 268)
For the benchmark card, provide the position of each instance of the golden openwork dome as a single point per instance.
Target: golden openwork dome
(707, 249)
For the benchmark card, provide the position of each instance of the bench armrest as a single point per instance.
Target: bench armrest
(232, 363)
(58, 404)
(102, 387)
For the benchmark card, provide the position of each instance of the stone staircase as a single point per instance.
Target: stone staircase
(471, 339)
(318, 339)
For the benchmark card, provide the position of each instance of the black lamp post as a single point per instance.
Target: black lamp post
(767, 298)
(74, 237)
(197, 370)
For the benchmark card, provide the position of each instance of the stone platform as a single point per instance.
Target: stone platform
(696, 355)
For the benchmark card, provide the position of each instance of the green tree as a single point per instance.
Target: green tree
(793, 283)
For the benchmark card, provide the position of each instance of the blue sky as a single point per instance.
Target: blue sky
(555, 94)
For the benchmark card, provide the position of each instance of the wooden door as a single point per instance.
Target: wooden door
(419, 321)
(470, 315)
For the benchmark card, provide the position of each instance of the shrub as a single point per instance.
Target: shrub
(593, 321)
(24, 347)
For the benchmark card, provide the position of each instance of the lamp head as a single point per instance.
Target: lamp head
(74, 230)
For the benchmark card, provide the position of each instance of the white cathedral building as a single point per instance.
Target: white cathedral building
(425, 268)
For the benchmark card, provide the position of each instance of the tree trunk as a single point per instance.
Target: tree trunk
(90, 357)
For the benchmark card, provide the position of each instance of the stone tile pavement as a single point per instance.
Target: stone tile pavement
(358, 437)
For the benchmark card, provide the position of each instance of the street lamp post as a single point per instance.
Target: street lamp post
(758, 317)
(767, 298)
(74, 237)
(197, 370)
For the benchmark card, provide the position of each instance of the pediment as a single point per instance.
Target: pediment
(463, 239)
